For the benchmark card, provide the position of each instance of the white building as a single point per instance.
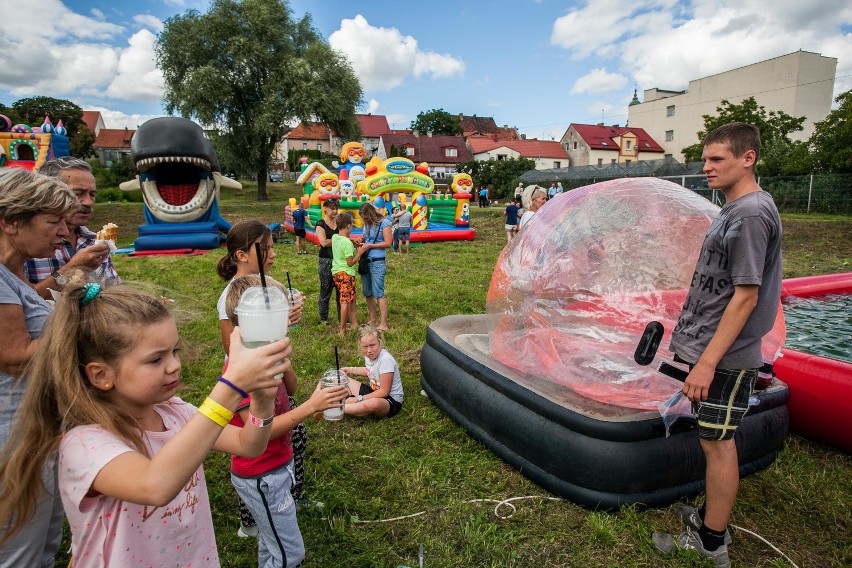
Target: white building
(800, 84)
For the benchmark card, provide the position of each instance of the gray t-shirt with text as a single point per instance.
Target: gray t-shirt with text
(742, 247)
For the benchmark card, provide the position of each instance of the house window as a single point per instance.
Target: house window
(304, 145)
(600, 161)
(629, 143)
(501, 157)
(557, 164)
(451, 152)
(575, 144)
(669, 135)
(409, 150)
(613, 161)
(670, 110)
(319, 147)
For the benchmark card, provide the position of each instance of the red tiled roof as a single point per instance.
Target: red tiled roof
(429, 149)
(373, 125)
(90, 117)
(532, 148)
(478, 124)
(114, 138)
(309, 131)
(600, 137)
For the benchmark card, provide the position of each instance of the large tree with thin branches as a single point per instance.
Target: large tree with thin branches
(249, 69)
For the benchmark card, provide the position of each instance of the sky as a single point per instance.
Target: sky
(537, 65)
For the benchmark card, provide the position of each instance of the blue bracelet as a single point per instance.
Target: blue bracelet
(241, 392)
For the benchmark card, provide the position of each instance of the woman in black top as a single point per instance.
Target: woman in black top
(325, 228)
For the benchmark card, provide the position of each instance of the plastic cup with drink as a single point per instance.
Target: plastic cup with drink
(263, 314)
(334, 378)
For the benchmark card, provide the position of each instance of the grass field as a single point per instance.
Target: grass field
(365, 470)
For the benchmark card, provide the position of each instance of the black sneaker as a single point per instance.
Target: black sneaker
(691, 518)
(689, 540)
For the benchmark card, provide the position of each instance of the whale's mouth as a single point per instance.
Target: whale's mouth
(176, 184)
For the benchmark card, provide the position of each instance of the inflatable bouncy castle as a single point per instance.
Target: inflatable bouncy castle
(22, 146)
(388, 183)
(179, 177)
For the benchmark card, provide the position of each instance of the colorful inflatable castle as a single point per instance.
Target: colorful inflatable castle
(395, 182)
(22, 146)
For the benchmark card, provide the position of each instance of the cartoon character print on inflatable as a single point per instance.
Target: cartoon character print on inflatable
(326, 185)
(462, 185)
(347, 186)
(180, 180)
(352, 157)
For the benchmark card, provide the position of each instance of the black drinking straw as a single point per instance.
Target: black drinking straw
(337, 363)
(260, 270)
(290, 286)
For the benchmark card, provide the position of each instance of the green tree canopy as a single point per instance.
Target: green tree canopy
(32, 111)
(249, 68)
(501, 175)
(831, 142)
(775, 128)
(437, 121)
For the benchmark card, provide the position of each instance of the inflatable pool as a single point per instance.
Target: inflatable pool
(547, 378)
(820, 387)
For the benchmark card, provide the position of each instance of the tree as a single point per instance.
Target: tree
(775, 127)
(831, 142)
(32, 111)
(81, 143)
(248, 68)
(437, 121)
(501, 175)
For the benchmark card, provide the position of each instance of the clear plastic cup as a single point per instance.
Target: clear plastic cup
(263, 315)
(295, 298)
(329, 379)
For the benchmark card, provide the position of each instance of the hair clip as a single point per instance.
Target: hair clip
(92, 290)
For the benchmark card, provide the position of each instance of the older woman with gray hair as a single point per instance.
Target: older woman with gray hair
(33, 209)
(532, 198)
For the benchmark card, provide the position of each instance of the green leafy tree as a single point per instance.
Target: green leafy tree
(11, 113)
(249, 69)
(32, 111)
(82, 143)
(831, 142)
(501, 175)
(437, 121)
(775, 128)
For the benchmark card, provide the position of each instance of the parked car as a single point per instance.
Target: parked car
(275, 176)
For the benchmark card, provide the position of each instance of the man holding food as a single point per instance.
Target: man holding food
(87, 256)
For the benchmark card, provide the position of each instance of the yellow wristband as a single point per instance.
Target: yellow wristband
(215, 412)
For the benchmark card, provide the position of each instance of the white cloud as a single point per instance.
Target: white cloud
(117, 119)
(18, 21)
(383, 58)
(598, 81)
(373, 106)
(138, 77)
(97, 13)
(665, 43)
(149, 21)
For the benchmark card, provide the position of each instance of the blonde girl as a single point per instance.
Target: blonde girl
(378, 236)
(381, 395)
(102, 391)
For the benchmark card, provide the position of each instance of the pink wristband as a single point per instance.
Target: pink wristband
(260, 422)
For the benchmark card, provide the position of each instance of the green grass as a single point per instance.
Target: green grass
(366, 470)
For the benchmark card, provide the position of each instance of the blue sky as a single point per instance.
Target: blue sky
(537, 65)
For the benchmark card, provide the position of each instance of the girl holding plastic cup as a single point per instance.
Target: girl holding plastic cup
(381, 394)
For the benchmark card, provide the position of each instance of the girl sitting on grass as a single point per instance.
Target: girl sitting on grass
(382, 396)
(102, 390)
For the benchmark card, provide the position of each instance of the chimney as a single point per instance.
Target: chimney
(523, 136)
(429, 134)
(416, 133)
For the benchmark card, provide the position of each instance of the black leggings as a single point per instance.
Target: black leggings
(326, 287)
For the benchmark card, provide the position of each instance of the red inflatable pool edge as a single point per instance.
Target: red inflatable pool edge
(820, 402)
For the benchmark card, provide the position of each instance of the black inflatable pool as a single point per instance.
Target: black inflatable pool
(596, 455)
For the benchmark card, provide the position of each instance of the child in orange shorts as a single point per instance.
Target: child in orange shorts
(344, 258)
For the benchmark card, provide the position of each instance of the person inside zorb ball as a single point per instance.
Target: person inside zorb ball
(570, 298)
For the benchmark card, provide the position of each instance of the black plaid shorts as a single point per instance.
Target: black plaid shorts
(726, 404)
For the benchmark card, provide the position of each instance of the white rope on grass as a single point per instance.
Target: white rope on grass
(772, 546)
(513, 510)
(499, 503)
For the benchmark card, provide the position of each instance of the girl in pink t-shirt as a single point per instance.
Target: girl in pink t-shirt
(102, 392)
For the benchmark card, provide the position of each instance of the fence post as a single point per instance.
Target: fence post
(810, 189)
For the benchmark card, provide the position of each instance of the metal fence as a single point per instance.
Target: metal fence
(816, 193)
